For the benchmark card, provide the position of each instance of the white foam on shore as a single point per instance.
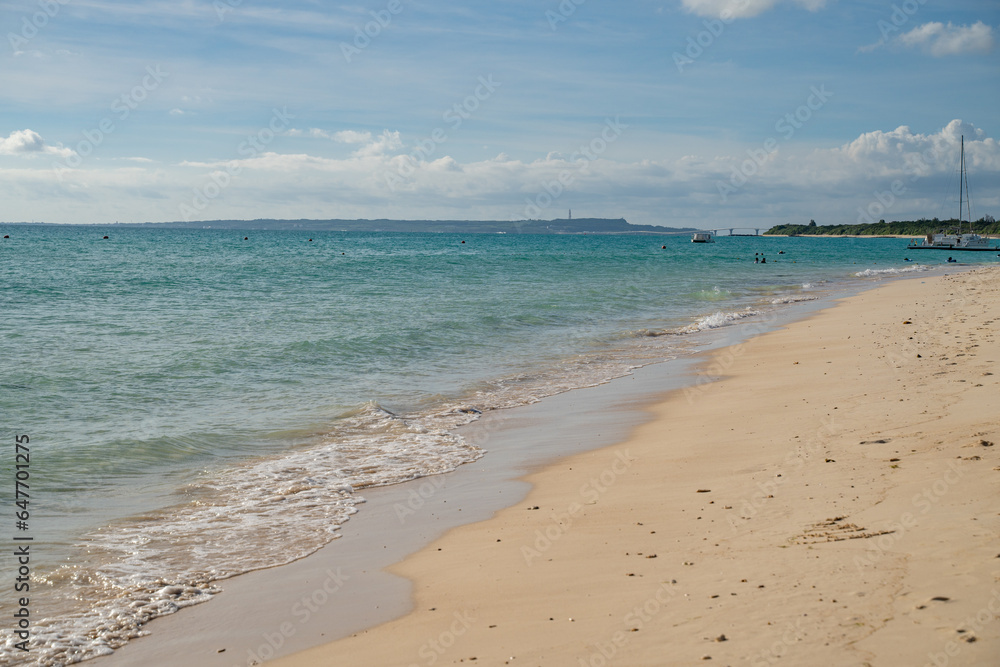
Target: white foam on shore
(266, 512)
(792, 299)
(872, 273)
(721, 319)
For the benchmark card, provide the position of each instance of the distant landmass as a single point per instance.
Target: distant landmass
(565, 226)
(984, 226)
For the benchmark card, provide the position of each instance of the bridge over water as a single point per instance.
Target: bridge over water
(731, 230)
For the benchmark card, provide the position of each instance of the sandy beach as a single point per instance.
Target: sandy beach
(828, 498)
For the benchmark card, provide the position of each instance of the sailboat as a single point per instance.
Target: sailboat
(956, 240)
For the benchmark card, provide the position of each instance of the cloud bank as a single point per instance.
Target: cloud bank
(382, 179)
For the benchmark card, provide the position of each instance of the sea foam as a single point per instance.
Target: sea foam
(872, 273)
(721, 319)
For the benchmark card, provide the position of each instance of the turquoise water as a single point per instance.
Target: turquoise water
(200, 405)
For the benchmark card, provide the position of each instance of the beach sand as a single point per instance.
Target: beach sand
(831, 499)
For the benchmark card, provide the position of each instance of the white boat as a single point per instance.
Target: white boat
(956, 240)
(702, 237)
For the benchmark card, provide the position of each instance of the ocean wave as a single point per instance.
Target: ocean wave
(792, 299)
(720, 319)
(871, 273)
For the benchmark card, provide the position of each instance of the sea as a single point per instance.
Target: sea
(199, 403)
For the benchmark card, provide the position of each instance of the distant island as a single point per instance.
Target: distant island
(563, 226)
(984, 226)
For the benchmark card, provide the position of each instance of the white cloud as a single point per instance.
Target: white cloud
(727, 9)
(851, 166)
(939, 39)
(352, 137)
(904, 153)
(343, 137)
(371, 146)
(31, 144)
(387, 141)
(176, 112)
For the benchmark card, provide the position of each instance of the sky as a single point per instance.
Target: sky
(687, 113)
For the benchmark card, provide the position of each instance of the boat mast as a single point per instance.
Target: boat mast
(968, 201)
(961, 174)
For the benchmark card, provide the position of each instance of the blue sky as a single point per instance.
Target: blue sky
(696, 113)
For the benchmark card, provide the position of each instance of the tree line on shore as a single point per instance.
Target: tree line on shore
(986, 225)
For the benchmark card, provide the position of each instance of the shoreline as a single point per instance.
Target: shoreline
(394, 522)
(812, 535)
(867, 236)
(382, 533)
